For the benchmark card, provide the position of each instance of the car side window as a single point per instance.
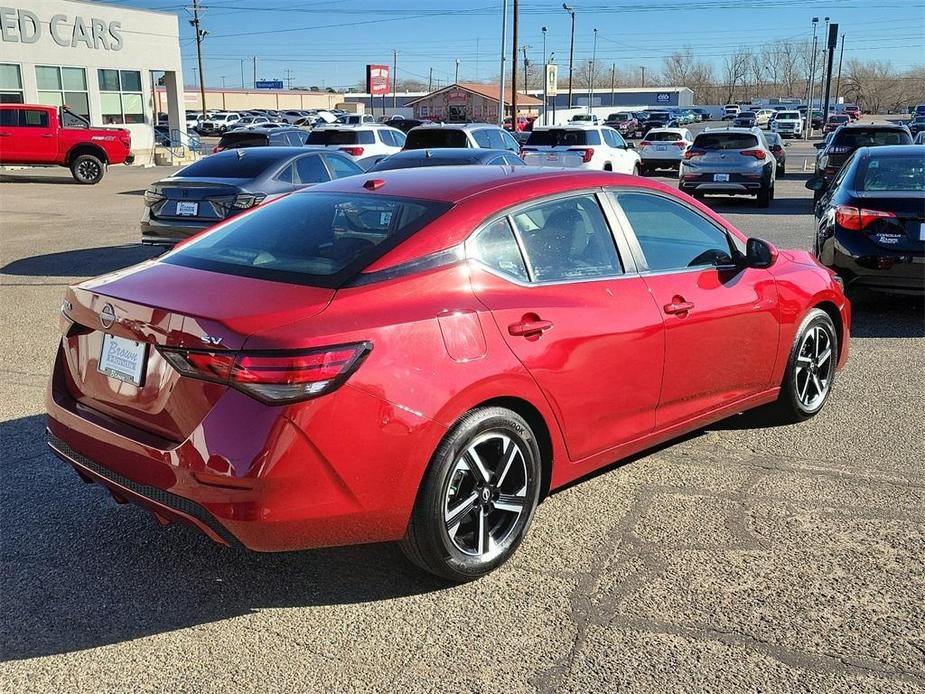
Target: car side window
(311, 169)
(618, 140)
(496, 247)
(9, 118)
(341, 167)
(673, 236)
(495, 141)
(33, 119)
(567, 240)
(510, 143)
(386, 137)
(286, 175)
(399, 137)
(482, 138)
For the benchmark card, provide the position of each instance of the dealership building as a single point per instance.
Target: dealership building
(102, 61)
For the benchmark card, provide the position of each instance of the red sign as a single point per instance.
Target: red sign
(377, 79)
(457, 98)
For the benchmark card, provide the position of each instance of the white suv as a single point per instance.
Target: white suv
(220, 122)
(788, 124)
(365, 144)
(469, 135)
(581, 146)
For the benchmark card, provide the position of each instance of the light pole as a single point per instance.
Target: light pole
(457, 71)
(501, 85)
(591, 72)
(643, 69)
(571, 52)
(545, 80)
(812, 81)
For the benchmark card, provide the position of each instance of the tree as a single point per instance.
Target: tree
(735, 70)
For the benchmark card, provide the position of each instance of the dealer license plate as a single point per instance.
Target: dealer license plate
(187, 209)
(721, 178)
(661, 148)
(122, 359)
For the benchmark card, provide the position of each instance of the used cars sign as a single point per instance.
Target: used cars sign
(24, 26)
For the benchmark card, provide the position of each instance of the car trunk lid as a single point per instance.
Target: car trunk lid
(905, 231)
(158, 305)
(199, 199)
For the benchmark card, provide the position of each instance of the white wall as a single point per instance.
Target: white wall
(92, 35)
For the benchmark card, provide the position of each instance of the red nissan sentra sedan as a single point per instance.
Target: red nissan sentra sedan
(422, 356)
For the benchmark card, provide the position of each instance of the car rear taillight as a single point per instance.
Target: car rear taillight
(856, 219)
(587, 153)
(217, 149)
(126, 140)
(680, 144)
(276, 377)
(691, 153)
(152, 197)
(644, 143)
(352, 151)
(757, 153)
(244, 201)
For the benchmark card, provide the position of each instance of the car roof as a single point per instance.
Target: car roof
(266, 131)
(874, 124)
(571, 125)
(354, 126)
(679, 131)
(472, 153)
(890, 151)
(456, 126)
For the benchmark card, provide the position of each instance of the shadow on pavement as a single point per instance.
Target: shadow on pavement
(874, 314)
(87, 262)
(30, 178)
(81, 571)
(140, 191)
(743, 205)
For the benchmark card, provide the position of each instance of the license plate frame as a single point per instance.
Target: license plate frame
(123, 359)
(661, 148)
(721, 178)
(187, 208)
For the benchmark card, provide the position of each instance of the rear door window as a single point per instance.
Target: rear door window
(482, 138)
(496, 247)
(311, 169)
(33, 119)
(341, 167)
(567, 240)
(314, 238)
(9, 118)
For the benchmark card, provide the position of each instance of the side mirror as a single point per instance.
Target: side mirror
(630, 145)
(759, 253)
(819, 145)
(816, 183)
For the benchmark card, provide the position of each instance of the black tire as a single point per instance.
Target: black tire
(791, 405)
(428, 542)
(643, 171)
(763, 199)
(87, 169)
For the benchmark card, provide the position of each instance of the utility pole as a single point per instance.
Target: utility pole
(394, 77)
(223, 81)
(503, 42)
(591, 73)
(456, 79)
(571, 52)
(200, 35)
(242, 74)
(613, 82)
(430, 80)
(831, 43)
(812, 83)
(514, 71)
(255, 72)
(643, 68)
(545, 102)
(288, 79)
(840, 58)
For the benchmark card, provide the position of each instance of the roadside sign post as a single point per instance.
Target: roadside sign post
(550, 88)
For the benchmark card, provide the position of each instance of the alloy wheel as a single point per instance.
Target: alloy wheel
(88, 169)
(814, 367)
(485, 495)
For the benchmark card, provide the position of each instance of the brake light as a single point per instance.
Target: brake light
(757, 153)
(276, 377)
(352, 151)
(680, 144)
(587, 153)
(856, 219)
(244, 201)
(152, 197)
(644, 143)
(691, 153)
(126, 140)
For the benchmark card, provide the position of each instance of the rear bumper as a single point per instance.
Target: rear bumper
(168, 233)
(289, 480)
(660, 162)
(863, 263)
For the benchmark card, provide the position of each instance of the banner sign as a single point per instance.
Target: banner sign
(552, 79)
(377, 79)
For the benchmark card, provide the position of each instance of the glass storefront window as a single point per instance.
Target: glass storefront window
(10, 84)
(63, 86)
(121, 96)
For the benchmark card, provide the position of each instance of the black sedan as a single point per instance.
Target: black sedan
(746, 119)
(870, 223)
(230, 182)
(849, 138)
(446, 156)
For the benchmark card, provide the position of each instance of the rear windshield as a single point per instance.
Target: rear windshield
(427, 138)
(788, 115)
(245, 139)
(870, 137)
(725, 141)
(247, 164)
(319, 239)
(618, 116)
(341, 137)
(839, 119)
(660, 114)
(663, 137)
(906, 173)
(560, 137)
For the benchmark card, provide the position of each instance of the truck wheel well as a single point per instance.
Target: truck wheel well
(93, 150)
(540, 429)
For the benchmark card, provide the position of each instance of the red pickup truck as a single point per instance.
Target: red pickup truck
(34, 135)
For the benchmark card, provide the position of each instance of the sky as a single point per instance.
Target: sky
(328, 42)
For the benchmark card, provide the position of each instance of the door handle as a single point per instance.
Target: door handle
(47, 135)
(5, 134)
(678, 305)
(528, 328)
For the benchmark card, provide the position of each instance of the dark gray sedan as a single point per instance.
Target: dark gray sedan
(446, 156)
(228, 183)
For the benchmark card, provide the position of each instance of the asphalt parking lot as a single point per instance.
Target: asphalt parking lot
(743, 557)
